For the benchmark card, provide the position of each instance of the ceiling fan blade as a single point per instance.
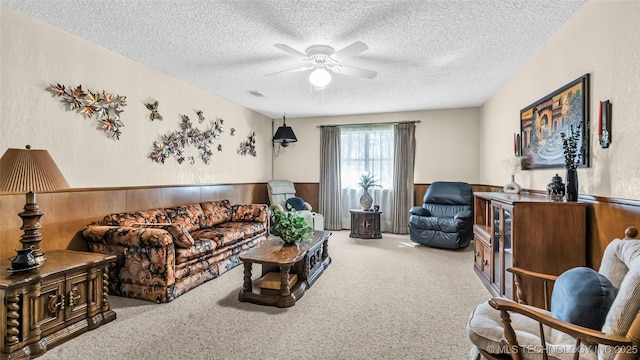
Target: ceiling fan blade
(289, 50)
(351, 50)
(304, 68)
(347, 70)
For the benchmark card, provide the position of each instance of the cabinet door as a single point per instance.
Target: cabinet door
(76, 288)
(496, 236)
(502, 281)
(507, 251)
(50, 305)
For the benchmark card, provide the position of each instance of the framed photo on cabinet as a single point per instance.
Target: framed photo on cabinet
(542, 123)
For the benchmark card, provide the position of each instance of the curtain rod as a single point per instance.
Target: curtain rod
(369, 124)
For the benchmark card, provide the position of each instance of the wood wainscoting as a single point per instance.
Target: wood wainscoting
(607, 218)
(67, 212)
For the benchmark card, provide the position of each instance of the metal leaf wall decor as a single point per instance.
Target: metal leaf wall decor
(105, 107)
(174, 143)
(248, 147)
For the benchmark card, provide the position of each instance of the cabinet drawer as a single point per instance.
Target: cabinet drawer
(487, 263)
(478, 254)
(482, 257)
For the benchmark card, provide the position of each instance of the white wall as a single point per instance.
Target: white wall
(603, 39)
(446, 144)
(34, 54)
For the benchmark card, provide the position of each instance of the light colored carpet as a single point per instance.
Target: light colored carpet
(379, 299)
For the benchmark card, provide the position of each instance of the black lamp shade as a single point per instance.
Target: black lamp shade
(284, 135)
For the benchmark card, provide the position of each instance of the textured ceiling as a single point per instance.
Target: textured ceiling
(429, 54)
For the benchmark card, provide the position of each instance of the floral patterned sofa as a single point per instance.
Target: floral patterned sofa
(163, 253)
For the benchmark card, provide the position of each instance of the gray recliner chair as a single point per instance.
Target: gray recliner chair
(281, 191)
(445, 219)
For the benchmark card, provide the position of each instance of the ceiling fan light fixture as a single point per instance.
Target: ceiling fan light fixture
(320, 77)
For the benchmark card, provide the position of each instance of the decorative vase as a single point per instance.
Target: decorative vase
(366, 200)
(512, 187)
(555, 189)
(24, 259)
(572, 185)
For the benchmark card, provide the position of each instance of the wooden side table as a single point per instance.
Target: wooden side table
(365, 224)
(63, 298)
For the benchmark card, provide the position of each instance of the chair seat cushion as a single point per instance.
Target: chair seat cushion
(295, 203)
(485, 330)
(582, 296)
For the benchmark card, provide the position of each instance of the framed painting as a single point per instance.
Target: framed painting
(542, 124)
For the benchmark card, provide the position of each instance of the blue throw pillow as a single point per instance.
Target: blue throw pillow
(295, 203)
(582, 296)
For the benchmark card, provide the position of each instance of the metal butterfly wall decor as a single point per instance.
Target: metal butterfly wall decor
(155, 115)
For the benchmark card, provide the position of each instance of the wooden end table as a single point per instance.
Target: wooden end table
(287, 270)
(66, 296)
(365, 224)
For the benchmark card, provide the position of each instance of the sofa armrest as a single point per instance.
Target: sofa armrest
(251, 213)
(419, 211)
(127, 236)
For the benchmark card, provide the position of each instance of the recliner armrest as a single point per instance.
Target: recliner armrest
(278, 207)
(464, 215)
(307, 206)
(419, 211)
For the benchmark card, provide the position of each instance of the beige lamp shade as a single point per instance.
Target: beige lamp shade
(23, 170)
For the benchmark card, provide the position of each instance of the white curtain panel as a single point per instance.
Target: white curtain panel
(351, 200)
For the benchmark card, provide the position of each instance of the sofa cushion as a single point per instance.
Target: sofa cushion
(250, 213)
(216, 212)
(582, 296)
(190, 216)
(295, 203)
(180, 235)
(228, 233)
(133, 218)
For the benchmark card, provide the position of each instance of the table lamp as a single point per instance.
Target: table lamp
(30, 170)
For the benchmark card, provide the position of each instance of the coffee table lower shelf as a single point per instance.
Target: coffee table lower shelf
(273, 296)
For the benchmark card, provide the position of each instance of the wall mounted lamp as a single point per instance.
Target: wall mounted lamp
(284, 135)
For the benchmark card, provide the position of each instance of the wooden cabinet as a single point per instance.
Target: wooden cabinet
(66, 296)
(529, 232)
(365, 224)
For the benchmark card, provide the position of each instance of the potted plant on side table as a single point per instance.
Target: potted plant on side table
(290, 227)
(367, 181)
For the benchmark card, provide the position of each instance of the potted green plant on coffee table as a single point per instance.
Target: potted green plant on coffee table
(290, 227)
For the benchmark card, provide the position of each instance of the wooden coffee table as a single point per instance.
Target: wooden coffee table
(287, 271)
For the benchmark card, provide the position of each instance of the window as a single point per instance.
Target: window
(366, 149)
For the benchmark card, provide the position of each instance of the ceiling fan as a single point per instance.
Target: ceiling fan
(322, 58)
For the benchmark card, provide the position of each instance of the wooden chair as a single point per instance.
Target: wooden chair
(500, 328)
